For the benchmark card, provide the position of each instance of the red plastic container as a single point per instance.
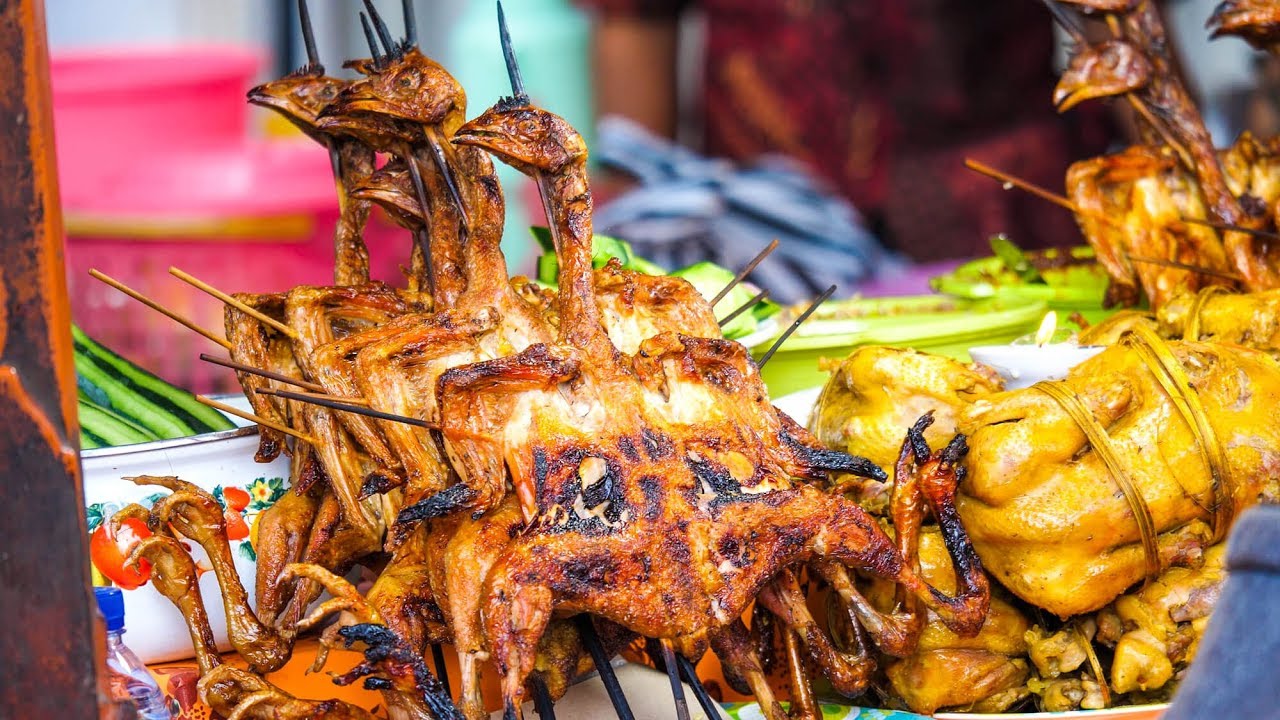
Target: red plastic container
(157, 168)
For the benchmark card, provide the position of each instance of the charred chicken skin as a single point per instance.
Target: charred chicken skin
(626, 517)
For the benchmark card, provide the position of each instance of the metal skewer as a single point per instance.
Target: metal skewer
(357, 409)
(279, 377)
(794, 326)
(744, 272)
(610, 679)
(690, 675)
(760, 296)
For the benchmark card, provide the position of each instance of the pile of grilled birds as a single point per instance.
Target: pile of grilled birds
(527, 471)
(1098, 505)
(1170, 215)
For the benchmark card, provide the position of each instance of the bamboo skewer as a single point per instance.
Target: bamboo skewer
(254, 418)
(1066, 203)
(1231, 228)
(742, 274)
(673, 673)
(760, 296)
(612, 687)
(1186, 266)
(1043, 194)
(314, 387)
(160, 308)
(251, 312)
(690, 675)
(794, 326)
(335, 404)
(542, 702)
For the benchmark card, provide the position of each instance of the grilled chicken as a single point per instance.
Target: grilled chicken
(1148, 190)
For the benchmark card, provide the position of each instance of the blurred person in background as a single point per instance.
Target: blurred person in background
(882, 99)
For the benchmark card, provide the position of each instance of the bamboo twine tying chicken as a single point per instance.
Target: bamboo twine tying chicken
(1101, 444)
(1191, 331)
(1157, 356)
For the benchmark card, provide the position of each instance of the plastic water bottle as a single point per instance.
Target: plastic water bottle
(129, 678)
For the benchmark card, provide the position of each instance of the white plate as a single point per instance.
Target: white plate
(799, 404)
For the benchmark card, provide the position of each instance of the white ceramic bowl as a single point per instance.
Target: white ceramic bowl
(214, 461)
(1022, 366)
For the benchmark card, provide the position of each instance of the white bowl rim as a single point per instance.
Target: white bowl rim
(168, 444)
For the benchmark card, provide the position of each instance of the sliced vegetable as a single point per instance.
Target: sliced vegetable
(117, 385)
(709, 279)
(1015, 260)
(102, 428)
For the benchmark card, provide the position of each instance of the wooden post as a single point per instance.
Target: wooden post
(51, 641)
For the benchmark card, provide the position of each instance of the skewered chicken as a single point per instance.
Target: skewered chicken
(1151, 204)
(631, 484)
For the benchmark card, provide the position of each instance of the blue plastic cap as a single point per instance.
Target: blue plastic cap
(111, 603)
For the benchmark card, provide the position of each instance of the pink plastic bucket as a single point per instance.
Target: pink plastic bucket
(157, 168)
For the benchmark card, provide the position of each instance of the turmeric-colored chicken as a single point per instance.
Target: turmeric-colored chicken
(1068, 530)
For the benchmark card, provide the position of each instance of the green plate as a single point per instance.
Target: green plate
(1074, 281)
(934, 323)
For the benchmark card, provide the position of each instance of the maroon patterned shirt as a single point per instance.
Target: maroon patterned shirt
(885, 99)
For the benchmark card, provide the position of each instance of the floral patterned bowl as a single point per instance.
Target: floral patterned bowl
(223, 464)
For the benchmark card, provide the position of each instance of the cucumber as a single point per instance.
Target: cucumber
(99, 428)
(138, 396)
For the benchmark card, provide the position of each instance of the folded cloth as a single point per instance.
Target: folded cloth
(689, 208)
(1233, 674)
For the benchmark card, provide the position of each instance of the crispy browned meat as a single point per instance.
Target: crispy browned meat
(1256, 21)
(255, 344)
(606, 495)
(194, 513)
(1138, 65)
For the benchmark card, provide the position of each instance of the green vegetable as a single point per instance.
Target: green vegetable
(710, 279)
(137, 397)
(1015, 260)
(603, 249)
(102, 428)
(707, 277)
